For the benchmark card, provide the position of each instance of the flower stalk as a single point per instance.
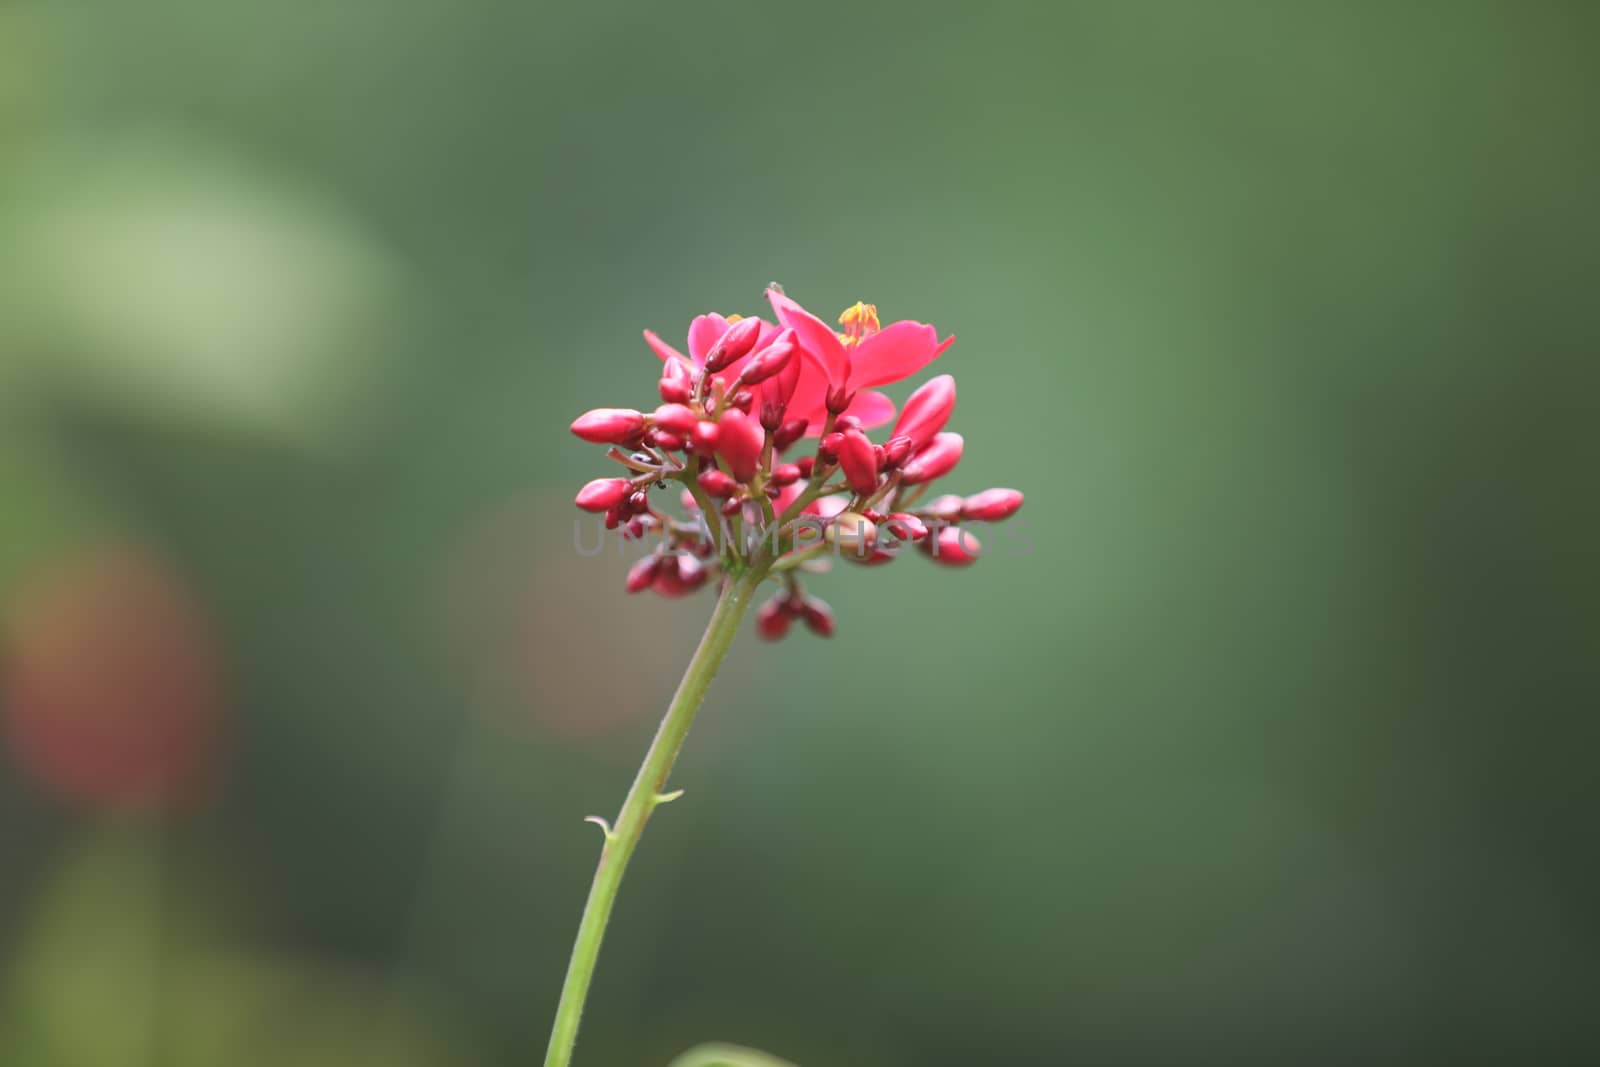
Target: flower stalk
(646, 794)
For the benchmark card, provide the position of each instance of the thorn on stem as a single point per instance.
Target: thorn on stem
(668, 798)
(605, 827)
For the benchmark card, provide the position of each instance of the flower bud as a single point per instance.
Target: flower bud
(805, 463)
(744, 400)
(789, 433)
(927, 410)
(643, 573)
(740, 440)
(609, 426)
(675, 418)
(838, 399)
(852, 532)
(772, 619)
(671, 442)
(739, 339)
(818, 616)
(858, 461)
(936, 459)
(895, 451)
(677, 382)
(785, 474)
(717, 482)
(771, 416)
(992, 505)
(704, 437)
(770, 360)
(732, 506)
(846, 422)
(678, 576)
(828, 447)
(946, 507)
(905, 526)
(952, 546)
(603, 494)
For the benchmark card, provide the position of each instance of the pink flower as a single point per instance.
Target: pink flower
(704, 333)
(864, 356)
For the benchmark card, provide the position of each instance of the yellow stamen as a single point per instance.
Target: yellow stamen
(859, 321)
(733, 319)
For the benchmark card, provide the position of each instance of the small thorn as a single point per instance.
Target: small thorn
(605, 827)
(668, 798)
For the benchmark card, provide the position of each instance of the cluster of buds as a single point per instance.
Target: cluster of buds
(764, 428)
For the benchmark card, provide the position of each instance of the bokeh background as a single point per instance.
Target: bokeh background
(1269, 738)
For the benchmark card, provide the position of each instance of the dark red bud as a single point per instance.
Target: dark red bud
(740, 440)
(927, 410)
(677, 382)
(704, 437)
(718, 483)
(952, 546)
(936, 459)
(838, 399)
(789, 433)
(805, 463)
(642, 574)
(818, 616)
(732, 507)
(770, 360)
(895, 451)
(744, 400)
(847, 422)
(772, 620)
(992, 505)
(669, 441)
(785, 474)
(675, 418)
(609, 426)
(771, 417)
(859, 461)
(906, 527)
(614, 517)
(734, 344)
(828, 447)
(603, 494)
(638, 500)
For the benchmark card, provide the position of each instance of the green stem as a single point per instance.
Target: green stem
(643, 798)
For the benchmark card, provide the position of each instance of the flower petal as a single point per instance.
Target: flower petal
(705, 331)
(897, 351)
(662, 349)
(872, 408)
(818, 342)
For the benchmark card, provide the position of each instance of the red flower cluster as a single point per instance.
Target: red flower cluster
(746, 395)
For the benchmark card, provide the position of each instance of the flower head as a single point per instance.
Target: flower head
(755, 498)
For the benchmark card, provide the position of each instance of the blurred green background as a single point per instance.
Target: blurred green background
(1278, 746)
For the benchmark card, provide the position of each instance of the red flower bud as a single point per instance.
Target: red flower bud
(603, 494)
(772, 619)
(677, 382)
(838, 399)
(805, 463)
(771, 416)
(938, 458)
(944, 507)
(704, 437)
(716, 482)
(828, 447)
(642, 574)
(770, 360)
(818, 616)
(785, 474)
(858, 461)
(927, 410)
(744, 400)
(739, 339)
(992, 505)
(895, 451)
(739, 441)
(732, 507)
(675, 418)
(609, 426)
(905, 526)
(678, 576)
(846, 422)
(953, 547)
(789, 433)
(669, 441)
